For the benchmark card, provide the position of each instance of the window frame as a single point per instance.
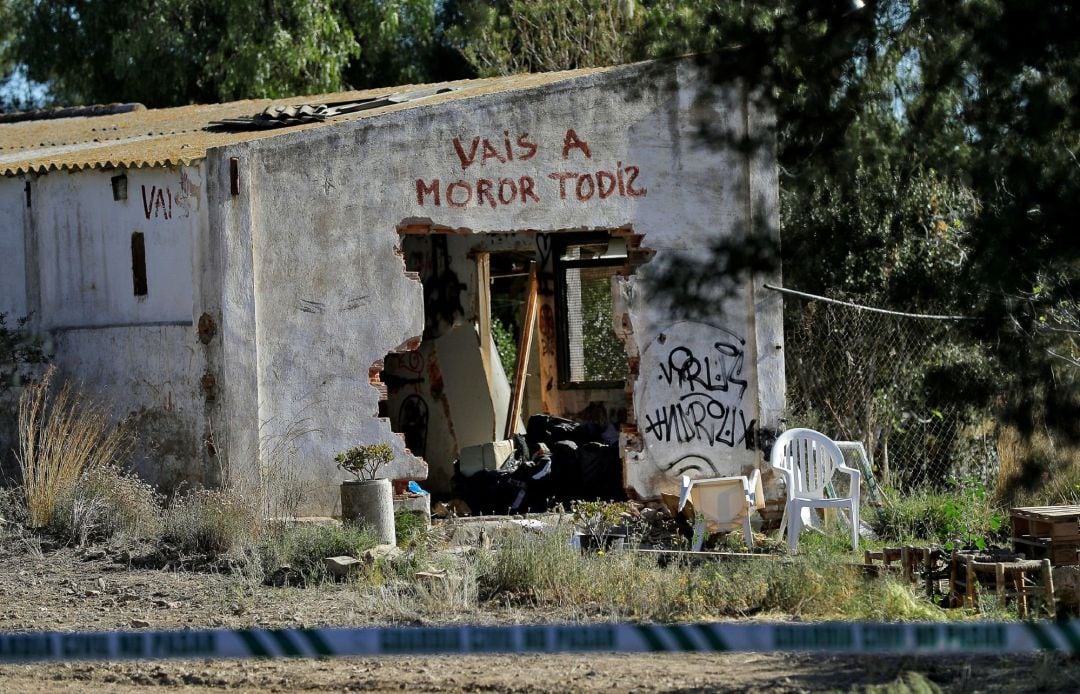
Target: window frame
(562, 329)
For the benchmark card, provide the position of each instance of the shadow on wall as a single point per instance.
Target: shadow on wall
(9, 437)
(165, 450)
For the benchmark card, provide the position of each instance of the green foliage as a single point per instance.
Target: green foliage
(603, 353)
(171, 52)
(510, 36)
(411, 529)
(969, 517)
(598, 517)
(928, 157)
(963, 516)
(364, 461)
(403, 42)
(505, 345)
(296, 47)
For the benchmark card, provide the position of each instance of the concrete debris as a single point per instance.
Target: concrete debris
(343, 567)
(381, 553)
(283, 576)
(419, 504)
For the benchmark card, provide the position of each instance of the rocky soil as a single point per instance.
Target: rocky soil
(66, 589)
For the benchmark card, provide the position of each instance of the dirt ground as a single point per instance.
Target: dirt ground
(72, 590)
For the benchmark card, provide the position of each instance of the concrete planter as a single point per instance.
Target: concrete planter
(370, 503)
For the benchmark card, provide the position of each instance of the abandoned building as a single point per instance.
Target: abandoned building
(262, 285)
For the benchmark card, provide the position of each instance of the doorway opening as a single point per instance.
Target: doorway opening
(519, 348)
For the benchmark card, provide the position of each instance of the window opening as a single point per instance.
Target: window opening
(138, 263)
(590, 353)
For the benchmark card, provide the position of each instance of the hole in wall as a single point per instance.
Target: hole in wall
(138, 263)
(486, 363)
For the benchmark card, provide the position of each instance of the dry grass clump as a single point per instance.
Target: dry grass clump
(213, 521)
(61, 435)
(107, 502)
(12, 511)
(1037, 469)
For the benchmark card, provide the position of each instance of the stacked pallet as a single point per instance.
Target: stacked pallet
(1047, 532)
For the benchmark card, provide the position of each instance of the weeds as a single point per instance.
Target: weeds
(303, 547)
(411, 529)
(213, 522)
(12, 508)
(60, 437)
(105, 503)
(963, 516)
(597, 518)
(543, 571)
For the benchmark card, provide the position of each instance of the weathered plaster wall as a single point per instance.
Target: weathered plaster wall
(12, 249)
(323, 284)
(139, 352)
(84, 247)
(12, 303)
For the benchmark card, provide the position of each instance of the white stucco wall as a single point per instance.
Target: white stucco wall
(12, 248)
(84, 247)
(321, 285)
(140, 353)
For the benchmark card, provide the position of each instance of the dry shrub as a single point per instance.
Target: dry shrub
(105, 503)
(1012, 451)
(1036, 470)
(304, 546)
(12, 511)
(62, 435)
(213, 521)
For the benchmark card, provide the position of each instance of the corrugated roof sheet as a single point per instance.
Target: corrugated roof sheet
(176, 136)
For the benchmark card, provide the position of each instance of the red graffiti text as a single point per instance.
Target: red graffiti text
(158, 203)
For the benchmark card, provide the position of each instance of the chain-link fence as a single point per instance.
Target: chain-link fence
(861, 375)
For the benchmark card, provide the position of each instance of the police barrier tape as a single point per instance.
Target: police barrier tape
(834, 637)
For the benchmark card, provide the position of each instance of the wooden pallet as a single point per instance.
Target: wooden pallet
(1057, 522)
(1047, 532)
(1059, 552)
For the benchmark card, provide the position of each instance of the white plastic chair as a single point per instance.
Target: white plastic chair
(722, 503)
(807, 460)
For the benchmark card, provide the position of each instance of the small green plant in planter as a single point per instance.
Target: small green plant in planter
(365, 461)
(595, 521)
(368, 500)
